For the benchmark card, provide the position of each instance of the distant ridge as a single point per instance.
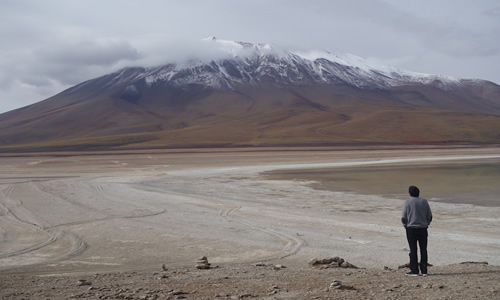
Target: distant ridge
(258, 95)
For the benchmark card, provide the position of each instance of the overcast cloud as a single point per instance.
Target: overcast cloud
(48, 46)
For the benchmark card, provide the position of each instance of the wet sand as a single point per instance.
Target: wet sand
(129, 211)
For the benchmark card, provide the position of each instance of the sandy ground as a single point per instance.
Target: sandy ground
(104, 213)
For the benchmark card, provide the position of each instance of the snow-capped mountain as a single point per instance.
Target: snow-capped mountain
(258, 94)
(245, 63)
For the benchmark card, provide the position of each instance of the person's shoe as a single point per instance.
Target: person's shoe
(411, 274)
(424, 274)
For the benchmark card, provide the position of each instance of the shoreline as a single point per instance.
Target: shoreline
(469, 180)
(218, 204)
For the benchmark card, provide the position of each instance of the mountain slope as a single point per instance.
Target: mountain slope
(258, 95)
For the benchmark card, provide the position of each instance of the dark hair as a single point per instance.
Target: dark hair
(414, 191)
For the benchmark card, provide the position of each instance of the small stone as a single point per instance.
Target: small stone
(348, 265)
(246, 296)
(176, 293)
(82, 282)
(340, 262)
(335, 284)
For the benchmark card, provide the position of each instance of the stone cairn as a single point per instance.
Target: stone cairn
(331, 262)
(202, 263)
(338, 285)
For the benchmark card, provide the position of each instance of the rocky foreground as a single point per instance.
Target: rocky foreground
(469, 280)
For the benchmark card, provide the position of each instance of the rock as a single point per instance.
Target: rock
(336, 284)
(333, 262)
(176, 293)
(348, 265)
(340, 261)
(405, 266)
(164, 268)
(203, 266)
(324, 261)
(202, 263)
(246, 296)
(82, 282)
(474, 262)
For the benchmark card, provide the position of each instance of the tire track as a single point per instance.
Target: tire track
(292, 244)
(16, 212)
(130, 215)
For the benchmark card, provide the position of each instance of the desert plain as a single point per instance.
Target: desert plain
(68, 215)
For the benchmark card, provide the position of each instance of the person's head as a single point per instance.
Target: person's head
(414, 191)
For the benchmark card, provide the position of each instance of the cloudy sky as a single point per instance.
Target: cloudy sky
(47, 46)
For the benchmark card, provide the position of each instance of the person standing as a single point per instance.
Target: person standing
(416, 218)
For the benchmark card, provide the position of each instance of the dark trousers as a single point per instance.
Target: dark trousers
(414, 236)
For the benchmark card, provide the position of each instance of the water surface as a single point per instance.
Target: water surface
(467, 182)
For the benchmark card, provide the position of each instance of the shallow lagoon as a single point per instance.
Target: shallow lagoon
(465, 182)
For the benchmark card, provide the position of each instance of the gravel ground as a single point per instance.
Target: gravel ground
(261, 281)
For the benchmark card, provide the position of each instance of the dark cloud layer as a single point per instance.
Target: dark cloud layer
(50, 45)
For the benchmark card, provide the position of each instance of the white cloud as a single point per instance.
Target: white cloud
(88, 52)
(52, 44)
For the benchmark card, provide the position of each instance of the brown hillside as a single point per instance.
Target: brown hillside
(91, 116)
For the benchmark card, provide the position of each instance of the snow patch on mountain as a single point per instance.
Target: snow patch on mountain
(264, 63)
